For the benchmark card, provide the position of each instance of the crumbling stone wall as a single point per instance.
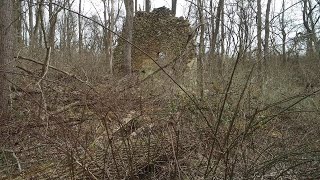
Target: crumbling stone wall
(162, 36)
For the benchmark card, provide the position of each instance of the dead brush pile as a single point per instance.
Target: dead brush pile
(128, 129)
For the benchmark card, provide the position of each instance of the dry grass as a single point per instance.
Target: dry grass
(105, 128)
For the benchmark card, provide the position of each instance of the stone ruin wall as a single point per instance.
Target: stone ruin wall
(161, 35)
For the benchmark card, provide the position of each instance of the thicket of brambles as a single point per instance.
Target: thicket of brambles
(105, 96)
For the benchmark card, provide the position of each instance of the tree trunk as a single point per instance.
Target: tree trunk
(267, 32)
(105, 31)
(18, 25)
(309, 24)
(135, 6)
(53, 16)
(80, 29)
(216, 32)
(284, 34)
(6, 45)
(36, 34)
(69, 30)
(148, 5)
(108, 36)
(173, 7)
(128, 31)
(259, 43)
(305, 14)
(201, 50)
(31, 31)
(221, 61)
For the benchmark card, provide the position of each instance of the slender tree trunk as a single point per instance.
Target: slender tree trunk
(222, 41)
(18, 25)
(128, 31)
(105, 32)
(201, 50)
(63, 33)
(267, 32)
(148, 5)
(314, 37)
(305, 16)
(135, 6)
(174, 7)
(216, 32)
(284, 34)
(31, 34)
(80, 29)
(53, 16)
(36, 30)
(6, 45)
(110, 36)
(69, 31)
(259, 39)
(36, 37)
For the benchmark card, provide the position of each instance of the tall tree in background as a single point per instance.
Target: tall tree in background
(259, 39)
(109, 21)
(283, 33)
(6, 45)
(174, 7)
(267, 31)
(222, 54)
(135, 5)
(53, 18)
(215, 30)
(30, 29)
(201, 49)
(18, 24)
(310, 25)
(128, 30)
(70, 28)
(80, 29)
(148, 5)
(34, 31)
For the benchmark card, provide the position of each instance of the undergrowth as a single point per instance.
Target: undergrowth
(100, 127)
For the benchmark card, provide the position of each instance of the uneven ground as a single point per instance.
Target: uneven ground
(97, 127)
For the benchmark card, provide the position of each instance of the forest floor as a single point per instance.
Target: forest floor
(86, 126)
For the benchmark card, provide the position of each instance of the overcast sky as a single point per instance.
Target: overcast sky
(92, 6)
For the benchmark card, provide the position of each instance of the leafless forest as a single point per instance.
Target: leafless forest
(230, 90)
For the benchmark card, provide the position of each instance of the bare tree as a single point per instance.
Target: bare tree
(70, 25)
(310, 26)
(6, 40)
(283, 33)
(53, 18)
(222, 39)
(31, 31)
(135, 5)
(18, 16)
(36, 29)
(173, 7)
(215, 31)
(201, 49)
(128, 30)
(259, 40)
(267, 31)
(109, 21)
(148, 5)
(80, 28)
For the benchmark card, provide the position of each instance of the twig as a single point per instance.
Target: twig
(64, 108)
(15, 157)
(151, 58)
(51, 67)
